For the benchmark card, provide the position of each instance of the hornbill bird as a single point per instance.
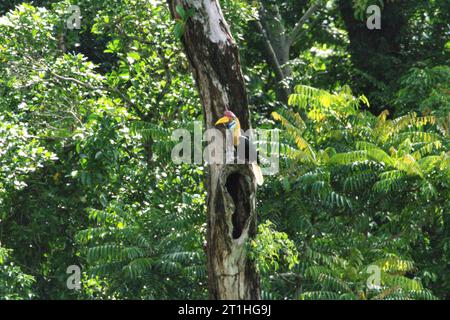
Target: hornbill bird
(231, 122)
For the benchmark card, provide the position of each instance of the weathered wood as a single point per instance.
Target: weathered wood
(231, 213)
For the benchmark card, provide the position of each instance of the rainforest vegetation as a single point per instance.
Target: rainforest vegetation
(360, 206)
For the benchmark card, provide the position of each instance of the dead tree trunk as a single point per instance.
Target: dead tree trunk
(214, 57)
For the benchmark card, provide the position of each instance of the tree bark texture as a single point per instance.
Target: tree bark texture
(231, 213)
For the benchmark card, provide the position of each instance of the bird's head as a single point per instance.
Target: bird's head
(229, 119)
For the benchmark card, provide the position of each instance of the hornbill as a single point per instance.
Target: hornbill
(231, 122)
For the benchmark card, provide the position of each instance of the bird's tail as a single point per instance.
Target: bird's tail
(258, 174)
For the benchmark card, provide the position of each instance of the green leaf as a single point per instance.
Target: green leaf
(181, 12)
(179, 30)
(103, 200)
(133, 56)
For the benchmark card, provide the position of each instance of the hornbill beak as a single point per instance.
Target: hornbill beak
(223, 120)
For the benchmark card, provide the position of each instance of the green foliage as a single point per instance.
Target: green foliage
(360, 7)
(371, 189)
(425, 89)
(411, 36)
(80, 142)
(14, 284)
(271, 249)
(86, 177)
(349, 279)
(182, 17)
(155, 245)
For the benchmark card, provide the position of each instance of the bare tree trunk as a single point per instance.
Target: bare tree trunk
(231, 214)
(277, 47)
(278, 42)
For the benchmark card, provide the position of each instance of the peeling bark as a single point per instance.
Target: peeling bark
(214, 57)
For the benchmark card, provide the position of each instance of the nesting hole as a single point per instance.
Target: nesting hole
(237, 187)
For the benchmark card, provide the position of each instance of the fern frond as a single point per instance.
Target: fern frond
(105, 216)
(106, 268)
(320, 295)
(416, 136)
(294, 134)
(401, 282)
(138, 267)
(305, 94)
(349, 157)
(427, 164)
(149, 130)
(393, 264)
(196, 270)
(408, 164)
(294, 154)
(184, 256)
(113, 252)
(408, 121)
(357, 180)
(389, 181)
(422, 295)
(333, 284)
(428, 148)
(85, 236)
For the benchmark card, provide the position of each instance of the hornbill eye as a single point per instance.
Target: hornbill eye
(231, 125)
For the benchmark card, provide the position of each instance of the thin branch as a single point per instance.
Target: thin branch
(293, 36)
(168, 76)
(90, 87)
(303, 31)
(272, 55)
(78, 82)
(263, 29)
(128, 101)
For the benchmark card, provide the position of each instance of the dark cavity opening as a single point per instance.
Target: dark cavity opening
(238, 189)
